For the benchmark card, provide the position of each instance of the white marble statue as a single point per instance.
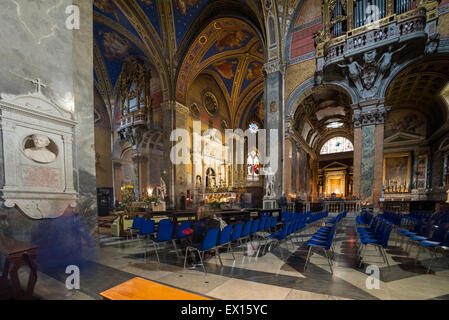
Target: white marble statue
(39, 152)
(163, 189)
(270, 194)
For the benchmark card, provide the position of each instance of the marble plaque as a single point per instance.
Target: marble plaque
(37, 157)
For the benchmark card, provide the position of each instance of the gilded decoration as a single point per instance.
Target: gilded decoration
(210, 104)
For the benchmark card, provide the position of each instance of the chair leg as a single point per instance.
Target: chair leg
(232, 251)
(328, 260)
(201, 254)
(417, 255)
(174, 245)
(307, 259)
(432, 254)
(218, 255)
(157, 254)
(386, 257)
(185, 257)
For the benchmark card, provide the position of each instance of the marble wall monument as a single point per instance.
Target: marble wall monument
(37, 140)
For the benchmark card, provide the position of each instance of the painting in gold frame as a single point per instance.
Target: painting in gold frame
(396, 172)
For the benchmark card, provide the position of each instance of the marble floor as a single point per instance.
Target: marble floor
(267, 276)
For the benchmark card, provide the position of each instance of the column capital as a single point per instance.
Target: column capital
(273, 67)
(369, 112)
(139, 157)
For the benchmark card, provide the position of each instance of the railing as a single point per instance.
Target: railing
(339, 206)
(380, 31)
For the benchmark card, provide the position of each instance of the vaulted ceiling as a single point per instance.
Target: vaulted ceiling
(324, 113)
(419, 88)
(231, 52)
(166, 33)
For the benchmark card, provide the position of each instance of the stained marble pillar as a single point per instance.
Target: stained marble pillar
(274, 118)
(140, 171)
(118, 177)
(168, 125)
(357, 160)
(315, 167)
(369, 119)
(288, 167)
(180, 177)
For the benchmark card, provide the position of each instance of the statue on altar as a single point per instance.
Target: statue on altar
(270, 194)
(163, 189)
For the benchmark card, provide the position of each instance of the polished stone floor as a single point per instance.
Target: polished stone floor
(267, 276)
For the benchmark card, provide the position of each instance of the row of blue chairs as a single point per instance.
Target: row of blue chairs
(377, 235)
(214, 239)
(365, 218)
(393, 218)
(428, 236)
(324, 238)
(292, 227)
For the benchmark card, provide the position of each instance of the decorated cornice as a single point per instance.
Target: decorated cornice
(369, 113)
(273, 67)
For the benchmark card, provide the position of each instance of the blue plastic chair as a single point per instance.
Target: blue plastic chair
(436, 241)
(325, 244)
(137, 225)
(164, 233)
(277, 237)
(209, 242)
(180, 235)
(146, 230)
(225, 240)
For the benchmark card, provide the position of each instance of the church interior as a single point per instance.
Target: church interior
(224, 149)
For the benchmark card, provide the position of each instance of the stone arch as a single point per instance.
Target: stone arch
(301, 91)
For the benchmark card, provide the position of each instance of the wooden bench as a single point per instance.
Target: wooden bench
(142, 289)
(17, 254)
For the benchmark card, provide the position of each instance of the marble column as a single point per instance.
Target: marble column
(140, 169)
(369, 119)
(180, 179)
(288, 166)
(357, 161)
(168, 173)
(118, 177)
(274, 117)
(315, 167)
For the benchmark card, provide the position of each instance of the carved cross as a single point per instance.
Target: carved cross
(38, 84)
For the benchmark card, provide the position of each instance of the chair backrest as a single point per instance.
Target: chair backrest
(138, 222)
(247, 228)
(147, 227)
(225, 235)
(440, 233)
(268, 223)
(237, 231)
(210, 240)
(184, 225)
(262, 224)
(255, 226)
(274, 221)
(164, 230)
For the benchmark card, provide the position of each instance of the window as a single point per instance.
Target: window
(253, 166)
(337, 145)
(253, 127)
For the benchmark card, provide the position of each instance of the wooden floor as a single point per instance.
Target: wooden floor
(141, 289)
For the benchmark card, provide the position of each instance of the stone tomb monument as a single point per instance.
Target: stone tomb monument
(36, 153)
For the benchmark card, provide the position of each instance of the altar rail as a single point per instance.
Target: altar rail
(339, 206)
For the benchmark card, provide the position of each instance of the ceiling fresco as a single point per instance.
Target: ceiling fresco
(230, 51)
(114, 48)
(325, 112)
